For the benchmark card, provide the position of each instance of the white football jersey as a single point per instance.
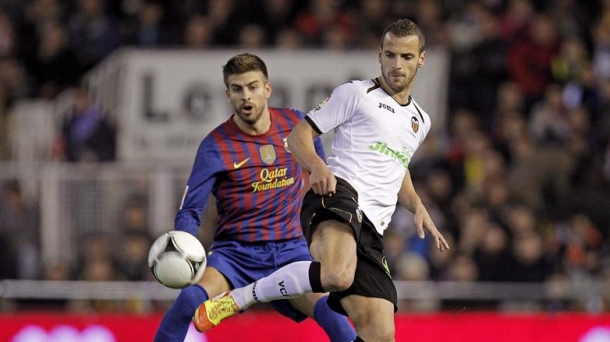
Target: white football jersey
(375, 138)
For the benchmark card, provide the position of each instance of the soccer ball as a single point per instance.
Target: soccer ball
(177, 259)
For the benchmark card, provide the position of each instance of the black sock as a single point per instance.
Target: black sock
(315, 280)
(358, 339)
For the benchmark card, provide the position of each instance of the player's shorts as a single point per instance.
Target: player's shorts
(244, 263)
(372, 278)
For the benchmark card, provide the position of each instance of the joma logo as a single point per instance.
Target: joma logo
(386, 107)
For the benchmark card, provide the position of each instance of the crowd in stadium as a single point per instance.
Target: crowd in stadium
(520, 184)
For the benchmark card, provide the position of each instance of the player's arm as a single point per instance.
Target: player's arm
(208, 163)
(408, 197)
(301, 144)
(209, 219)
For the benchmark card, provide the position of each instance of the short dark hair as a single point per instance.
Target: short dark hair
(403, 28)
(242, 63)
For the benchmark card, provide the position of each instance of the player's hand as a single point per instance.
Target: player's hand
(322, 181)
(424, 221)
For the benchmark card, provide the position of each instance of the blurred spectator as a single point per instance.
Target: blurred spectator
(336, 38)
(146, 27)
(582, 91)
(478, 72)
(92, 32)
(528, 262)
(133, 256)
(276, 16)
(52, 270)
(54, 66)
(372, 18)
(226, 21)
(462, 269)
(429, 16)
(413, 267)
(439, 261)
(548, 119)
(321, 17)
(38, 14)
(492, 254)
(288, 39)
(8, 37)
(87, 136)
(530, 57)
(199, 32)
(601, 47)
(8, 261)
(584, 248)
(252, 37)
(13, 86)
(14, 82)
(571, 59)
(516, 18)
(540, 175)
(135, 215)
(463, 26)
(19, 223)
(135, 240)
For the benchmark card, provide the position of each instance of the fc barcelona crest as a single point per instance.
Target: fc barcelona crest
(414, 124)
(267, 153)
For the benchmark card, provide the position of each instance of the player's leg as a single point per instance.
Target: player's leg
(334, 248)
(312, 305)
(334, 245)
(177, 319)
(332, 237)
(336, 326)
(372, 317)
(371, 300)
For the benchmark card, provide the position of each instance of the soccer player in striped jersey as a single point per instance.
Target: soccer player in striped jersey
(247, 166)
(378, 127)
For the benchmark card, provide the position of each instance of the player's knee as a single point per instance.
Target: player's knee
(370, 330)
(338, 280)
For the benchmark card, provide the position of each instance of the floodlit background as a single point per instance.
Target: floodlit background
(515, 172)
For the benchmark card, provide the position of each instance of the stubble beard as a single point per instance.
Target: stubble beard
(251, 119)
(401, 86)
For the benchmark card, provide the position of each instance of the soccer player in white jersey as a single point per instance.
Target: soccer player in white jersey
(378, 127)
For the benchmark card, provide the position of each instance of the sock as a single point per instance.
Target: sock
(175, 324)
(337, 326)
(358, 339)
(289, 281)
(315, 277)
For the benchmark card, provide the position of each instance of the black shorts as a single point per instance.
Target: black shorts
(372, 278)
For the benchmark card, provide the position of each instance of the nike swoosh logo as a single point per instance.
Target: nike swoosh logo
(238, 165)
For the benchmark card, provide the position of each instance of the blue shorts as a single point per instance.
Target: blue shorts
(243, 263)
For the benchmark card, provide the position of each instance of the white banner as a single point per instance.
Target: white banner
(165, 102)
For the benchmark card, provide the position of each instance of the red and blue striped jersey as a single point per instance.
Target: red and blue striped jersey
(256, 181)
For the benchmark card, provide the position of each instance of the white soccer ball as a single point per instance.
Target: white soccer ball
(177, 259)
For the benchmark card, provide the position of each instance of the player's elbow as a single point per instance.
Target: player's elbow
(301, 132)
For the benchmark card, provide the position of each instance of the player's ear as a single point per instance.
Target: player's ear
(422, 59)
(268, 89)
(227, 94)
